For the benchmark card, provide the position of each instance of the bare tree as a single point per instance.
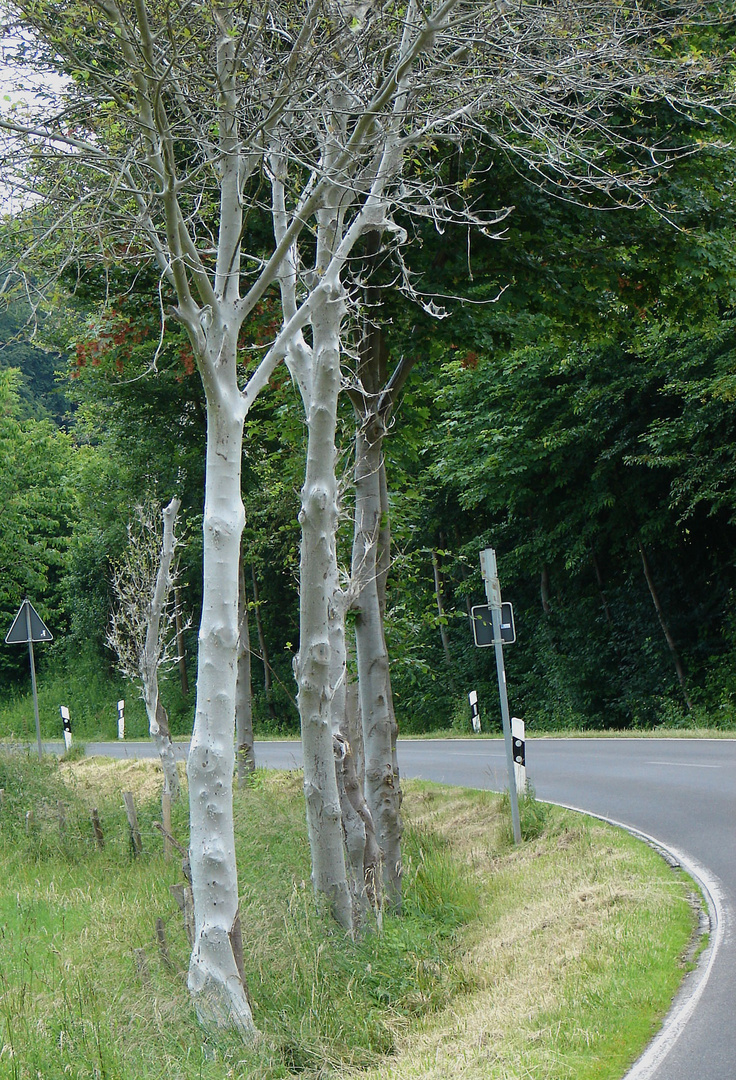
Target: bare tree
(178, 124)
(142, 631)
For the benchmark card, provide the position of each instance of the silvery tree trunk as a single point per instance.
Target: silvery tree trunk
(361, 843)
(373, 398)
(353, 824)
(215, 969)
(381, 779)
(318, 577)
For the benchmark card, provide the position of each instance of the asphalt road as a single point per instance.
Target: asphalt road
(680, 792)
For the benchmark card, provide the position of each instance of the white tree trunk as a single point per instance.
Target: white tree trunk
(318, 575)
(215, 969)
(381, 783)
(353, 825)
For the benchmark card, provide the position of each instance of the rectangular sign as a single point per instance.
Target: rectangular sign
(483, 628)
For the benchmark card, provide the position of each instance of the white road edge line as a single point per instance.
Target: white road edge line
(694, 983)
(683, 764)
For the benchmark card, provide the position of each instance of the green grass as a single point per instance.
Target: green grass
(91, 691)
(549, 958)
(91, 694)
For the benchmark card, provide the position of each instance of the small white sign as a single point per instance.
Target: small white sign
(67, 725)
(473, 699)
(518, 746)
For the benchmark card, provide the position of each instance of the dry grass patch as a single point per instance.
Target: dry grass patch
(103, 778)
(574, 956)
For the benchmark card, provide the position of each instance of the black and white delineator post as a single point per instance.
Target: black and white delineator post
(28, 626)
(518, 743)
(121, 718)
(66, 723)
(493, 593)
(475, 715)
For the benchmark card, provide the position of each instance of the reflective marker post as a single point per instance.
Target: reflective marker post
(66, 724)
(475, 712)
(518, 740)
(493, 593)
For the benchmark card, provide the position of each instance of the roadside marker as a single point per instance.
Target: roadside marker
(518, 743)
(473, 699)
(67, 725)
(121, 718)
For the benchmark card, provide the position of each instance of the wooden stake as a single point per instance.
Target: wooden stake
(99, 838)
(163, 947)
(166, 819)
(141, 964)
(135, 835)
(184, 898)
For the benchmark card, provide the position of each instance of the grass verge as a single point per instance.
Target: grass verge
(552, 961)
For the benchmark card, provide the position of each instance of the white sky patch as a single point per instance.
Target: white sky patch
(24, 93)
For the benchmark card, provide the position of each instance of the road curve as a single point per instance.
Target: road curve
(679, 792)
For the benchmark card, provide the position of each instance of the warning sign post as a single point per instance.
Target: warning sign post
(28, 626)
(495, 606)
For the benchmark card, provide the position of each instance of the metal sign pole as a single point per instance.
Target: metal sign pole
(33, 680)
(493, 593)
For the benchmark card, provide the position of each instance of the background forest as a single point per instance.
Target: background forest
(574, 411)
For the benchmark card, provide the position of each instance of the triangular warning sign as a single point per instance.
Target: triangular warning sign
(18, 632)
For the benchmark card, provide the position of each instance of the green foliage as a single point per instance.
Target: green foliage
(40, 391)
(38, 514)
(90, 689)
(436, 885)
(76, 752)
(534, 816)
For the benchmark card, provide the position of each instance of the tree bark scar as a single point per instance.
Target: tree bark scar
(236, 944)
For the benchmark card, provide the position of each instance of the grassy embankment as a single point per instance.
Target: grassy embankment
(554, 961)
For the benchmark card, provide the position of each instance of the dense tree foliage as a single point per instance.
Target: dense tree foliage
(37, 519)
(574, 411)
